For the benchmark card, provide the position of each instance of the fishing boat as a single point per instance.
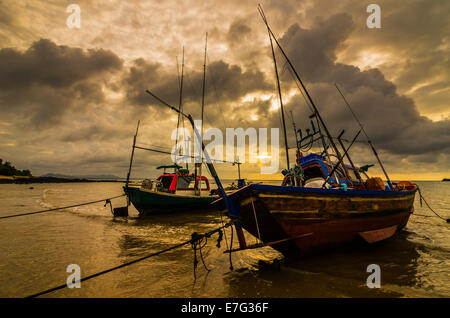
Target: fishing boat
(302, 219)
(321, 201)
(179, 190)
(176, 191)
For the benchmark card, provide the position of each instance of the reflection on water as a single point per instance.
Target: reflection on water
(37, 249)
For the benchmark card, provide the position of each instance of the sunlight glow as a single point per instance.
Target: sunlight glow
(369, 59)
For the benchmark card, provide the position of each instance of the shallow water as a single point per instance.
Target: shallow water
(36, 250)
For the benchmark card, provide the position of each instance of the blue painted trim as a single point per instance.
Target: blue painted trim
(326, 191)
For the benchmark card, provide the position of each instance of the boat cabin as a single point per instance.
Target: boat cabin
(316, 167)
(172, 183)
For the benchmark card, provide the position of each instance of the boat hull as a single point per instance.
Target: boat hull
(308, 219)
(155, 203)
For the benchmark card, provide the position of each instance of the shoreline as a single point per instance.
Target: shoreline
(52, 180)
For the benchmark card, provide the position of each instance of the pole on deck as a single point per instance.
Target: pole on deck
(368, 139)
(131, 160)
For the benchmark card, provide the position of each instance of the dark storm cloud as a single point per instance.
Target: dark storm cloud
(238, 32)
(392, 120)
(413, 44)
(103, 132)
(48, 80)
(313, 51)
(225, 82)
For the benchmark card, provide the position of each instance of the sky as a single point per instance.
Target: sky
(70, 98)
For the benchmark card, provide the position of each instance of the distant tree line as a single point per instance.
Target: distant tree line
(6, 169)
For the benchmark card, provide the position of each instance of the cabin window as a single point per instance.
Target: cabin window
(187, 183)
(184, 183)
(166, 182)
(204, 185)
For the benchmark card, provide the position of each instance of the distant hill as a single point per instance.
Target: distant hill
(63, 176)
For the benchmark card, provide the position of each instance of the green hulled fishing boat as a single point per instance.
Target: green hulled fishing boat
(172, 192)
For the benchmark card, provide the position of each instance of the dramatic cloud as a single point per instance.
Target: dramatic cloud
(227, 82)
(392, 120)
(47, 81)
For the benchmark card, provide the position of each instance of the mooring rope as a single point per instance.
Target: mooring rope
(198, 242)
(421, 198)
(231, 246)
(107, 200)
(194, 241)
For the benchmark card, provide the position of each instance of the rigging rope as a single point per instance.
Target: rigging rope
(256, 220)
(61, 208)
(194, 241)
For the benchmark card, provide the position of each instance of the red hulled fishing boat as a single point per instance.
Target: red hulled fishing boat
(321, 201)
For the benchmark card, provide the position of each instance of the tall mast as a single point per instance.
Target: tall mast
(132, 155)
(204, 85)
(368, 139)
(178, 121)
(198, 186)
(295, 131)
(280, 97)
(303, 86)
(180, 107)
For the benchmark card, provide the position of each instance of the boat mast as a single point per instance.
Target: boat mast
(280, 97)
(132, 155)
(295, 131)
(204, 85)
(178, 121)
(368, 139)
(303, 86)
(180, 106)
(198, 185)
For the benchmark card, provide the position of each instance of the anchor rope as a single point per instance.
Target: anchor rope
(231, 246)
(195, 238)
(423, 199)
(107, 200)
(197, 244)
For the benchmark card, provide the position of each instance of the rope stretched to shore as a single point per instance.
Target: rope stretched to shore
(194, 241)
(61, 208)
(423, 199)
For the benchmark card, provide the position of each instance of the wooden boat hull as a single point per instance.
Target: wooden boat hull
(153, 203)
(331, 216)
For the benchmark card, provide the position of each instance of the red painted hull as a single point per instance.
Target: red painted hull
(275, 213)
(330, 232)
